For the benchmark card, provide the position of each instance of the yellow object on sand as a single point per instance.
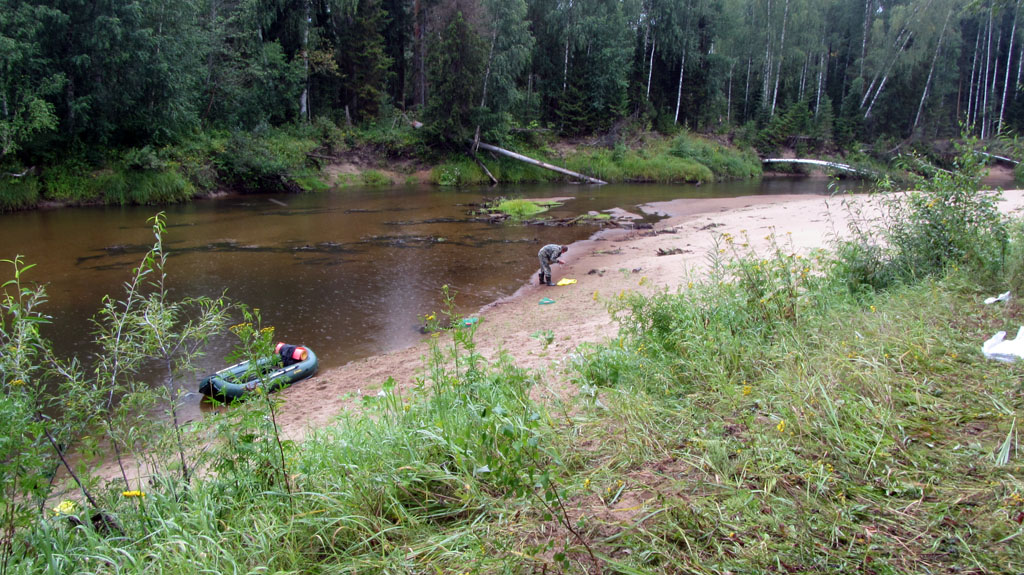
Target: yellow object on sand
(565, 282)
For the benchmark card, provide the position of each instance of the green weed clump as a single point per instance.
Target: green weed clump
(375, 178)
(519, 209)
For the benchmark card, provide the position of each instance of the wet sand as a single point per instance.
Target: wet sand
(604, 266)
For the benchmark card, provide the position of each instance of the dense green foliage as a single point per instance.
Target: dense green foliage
(93, 80)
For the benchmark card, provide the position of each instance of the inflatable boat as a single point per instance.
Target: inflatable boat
(292, 363)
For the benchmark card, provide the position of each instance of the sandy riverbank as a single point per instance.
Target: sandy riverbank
(603, 266)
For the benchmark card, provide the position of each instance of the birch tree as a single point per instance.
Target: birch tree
(931, 69)
(1009, 55)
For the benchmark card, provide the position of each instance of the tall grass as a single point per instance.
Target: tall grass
(770, 416)
(18, 193)
(687, 159)
(725, 163)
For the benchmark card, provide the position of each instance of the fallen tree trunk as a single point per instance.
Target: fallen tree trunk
(1003, 159)
(538, 163)
(494, 181)
(822, 163)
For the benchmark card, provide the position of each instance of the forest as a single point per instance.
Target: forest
(91, 81)
(820, 410)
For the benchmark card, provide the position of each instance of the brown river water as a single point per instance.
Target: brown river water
(348, 273)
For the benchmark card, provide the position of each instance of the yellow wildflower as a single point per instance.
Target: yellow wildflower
(66, 507)
(135, 493)
(781, 426)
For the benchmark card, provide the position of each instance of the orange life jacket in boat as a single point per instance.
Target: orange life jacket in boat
(291, 354)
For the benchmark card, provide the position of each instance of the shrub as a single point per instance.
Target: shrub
(945, 222)
(265, 161)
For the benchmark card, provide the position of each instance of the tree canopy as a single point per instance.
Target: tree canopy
(105, 74)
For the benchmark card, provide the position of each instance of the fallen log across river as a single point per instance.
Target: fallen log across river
(823, 163)
(538, 163)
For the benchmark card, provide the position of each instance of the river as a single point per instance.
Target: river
(348, 273)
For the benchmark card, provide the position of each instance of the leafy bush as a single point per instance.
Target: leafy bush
(945, 222)
(264, 161)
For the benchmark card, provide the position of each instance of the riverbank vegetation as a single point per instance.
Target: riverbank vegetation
(194, 98)
(822, 412)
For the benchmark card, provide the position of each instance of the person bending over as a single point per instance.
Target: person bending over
(548, 255)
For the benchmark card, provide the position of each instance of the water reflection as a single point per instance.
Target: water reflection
(347, 273)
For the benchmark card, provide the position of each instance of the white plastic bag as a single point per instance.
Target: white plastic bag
(1001, 349)
(1005, 296)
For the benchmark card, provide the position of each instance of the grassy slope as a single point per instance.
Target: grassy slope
(300, 158)
(774, 424)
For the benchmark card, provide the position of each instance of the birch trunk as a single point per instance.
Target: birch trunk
(888, 68)
(538, 163)
(1020, 61)
(803, 77)
(822, 65)
(931, 70)
(970, 85)
(565, 65)
(304, 97)
(650, 68)
(880, 86)
(487, 72)
(483, 97)
(864, 38)
(679, 92)
(905, 34)
(988, 67)
(746, 89)
(728, 98)
(647, 38)
(995, 79)
(1009, 55)
(767, 72)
